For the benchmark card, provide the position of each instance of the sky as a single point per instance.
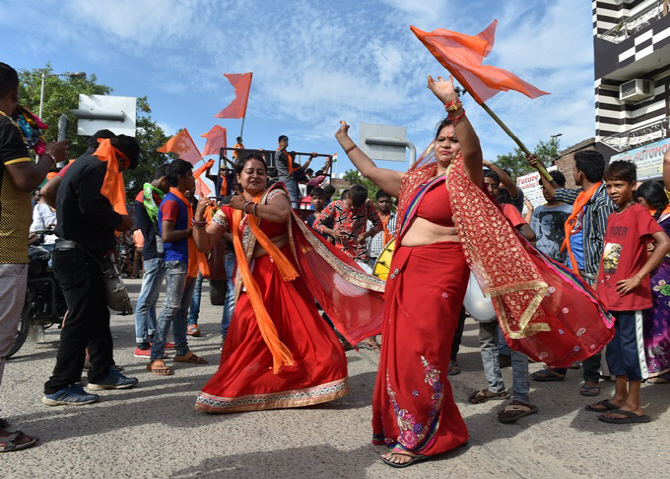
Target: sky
(314, 63)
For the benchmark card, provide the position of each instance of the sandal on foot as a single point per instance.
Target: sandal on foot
(631, 417)
(658, 380)
(483, 395)
(547, 375)
(16, 441)
(158, 369)
(192, 330)
(606, 406)
(189, 358)
(589, 390)
(454, 369)
(522, 409)
(414, 458)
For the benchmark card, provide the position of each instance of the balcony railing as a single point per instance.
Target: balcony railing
(639, 136)
(635, 23)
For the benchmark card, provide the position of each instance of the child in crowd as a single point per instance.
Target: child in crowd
(652, 196)
(328, 191)
(624, 287)
(548, 221)
(318, 202)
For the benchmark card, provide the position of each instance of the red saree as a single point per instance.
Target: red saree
(245, 380)
(413, 406)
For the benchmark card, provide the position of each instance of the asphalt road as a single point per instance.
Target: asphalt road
(153, 430)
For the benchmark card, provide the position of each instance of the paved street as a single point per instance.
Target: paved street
(153, 430)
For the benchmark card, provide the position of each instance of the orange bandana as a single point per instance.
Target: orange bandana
(388, 236)
(113, 187)
(570, 223)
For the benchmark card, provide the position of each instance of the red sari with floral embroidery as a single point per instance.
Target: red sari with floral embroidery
(413, 405)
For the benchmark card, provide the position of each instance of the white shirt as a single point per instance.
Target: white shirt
(43, 217)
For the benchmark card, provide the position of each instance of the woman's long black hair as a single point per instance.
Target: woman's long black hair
(654, 194)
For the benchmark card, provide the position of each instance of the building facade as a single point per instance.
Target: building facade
(631, 41)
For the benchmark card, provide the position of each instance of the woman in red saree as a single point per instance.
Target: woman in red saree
(279, 352)
(448, 225)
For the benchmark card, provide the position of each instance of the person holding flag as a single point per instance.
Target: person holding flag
(448, 225)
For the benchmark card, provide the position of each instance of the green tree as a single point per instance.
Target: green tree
(516, 163)
(353, 177)
(61, 94)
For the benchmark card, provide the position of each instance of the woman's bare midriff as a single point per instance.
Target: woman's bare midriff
(279, 241)
(422, 232)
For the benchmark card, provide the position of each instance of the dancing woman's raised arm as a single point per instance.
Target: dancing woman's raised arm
(467, 138)
(387, 180)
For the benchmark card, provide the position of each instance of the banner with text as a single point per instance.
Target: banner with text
(648, 159)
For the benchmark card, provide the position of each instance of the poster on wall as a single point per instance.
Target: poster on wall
(532, 190)
(647, 158)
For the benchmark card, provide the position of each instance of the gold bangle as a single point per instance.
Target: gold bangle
(348, 149)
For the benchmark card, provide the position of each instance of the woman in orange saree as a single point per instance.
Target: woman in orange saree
(449, 226)
(279, 352)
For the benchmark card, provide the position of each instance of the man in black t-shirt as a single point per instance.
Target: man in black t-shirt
(86, 225)
(18, 177)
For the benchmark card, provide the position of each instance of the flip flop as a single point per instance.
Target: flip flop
(483, 395)
(414, 459)
(11, 445)
(549, 375)
(525, 411)
(589, 390)
(160, 371)
(454, 369)
(631, 417)
(607, 406)
(189, 359)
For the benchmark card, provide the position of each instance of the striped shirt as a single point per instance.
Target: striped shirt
(376, 243)
(594, 223)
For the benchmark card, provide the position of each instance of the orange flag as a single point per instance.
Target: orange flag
(216, 139)
(113, 187)
(182, 144)
(201, 188)
(462, 55)
(238, 107)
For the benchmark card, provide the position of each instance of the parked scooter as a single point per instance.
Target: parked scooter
(44, 304)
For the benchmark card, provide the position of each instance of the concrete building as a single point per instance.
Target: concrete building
(632, 81)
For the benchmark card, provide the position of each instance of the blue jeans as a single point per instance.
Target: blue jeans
(177, 299)
(194, 309)
(229, 304)
(503, 347)
(145, 311)
(489, 349)
(293, 192)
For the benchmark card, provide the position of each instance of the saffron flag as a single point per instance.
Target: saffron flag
(238, 107)
(216, 139)
(462, 55)
(182, 144)
(201, 188)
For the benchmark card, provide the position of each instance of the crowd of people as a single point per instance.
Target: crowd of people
(583, 273)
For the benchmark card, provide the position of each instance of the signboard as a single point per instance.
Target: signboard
(532, 190)
(107, 105)
(383, 152)
(648, 159)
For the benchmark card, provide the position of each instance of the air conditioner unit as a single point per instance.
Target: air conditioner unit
(636, 90)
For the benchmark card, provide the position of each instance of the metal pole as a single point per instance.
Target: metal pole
(42, 95)
(242, 129)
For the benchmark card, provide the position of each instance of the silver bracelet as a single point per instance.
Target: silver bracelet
(52, 156)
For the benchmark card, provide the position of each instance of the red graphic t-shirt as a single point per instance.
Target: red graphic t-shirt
(624, 254)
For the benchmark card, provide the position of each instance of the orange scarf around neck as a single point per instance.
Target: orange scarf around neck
(281, 355)
(290, 163)
(570, 223)
(388, 236)
(196, 259)
(113, 187)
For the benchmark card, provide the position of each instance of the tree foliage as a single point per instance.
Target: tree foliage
(61, 94)
(354, 177)
(516, 163)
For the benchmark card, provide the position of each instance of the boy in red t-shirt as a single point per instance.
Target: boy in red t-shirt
(624, 287)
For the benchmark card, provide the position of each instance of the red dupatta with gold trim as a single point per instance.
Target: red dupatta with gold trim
(543, 309)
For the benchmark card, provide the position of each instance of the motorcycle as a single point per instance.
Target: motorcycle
(44, 305)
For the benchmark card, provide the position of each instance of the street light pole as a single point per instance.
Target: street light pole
(77, 75)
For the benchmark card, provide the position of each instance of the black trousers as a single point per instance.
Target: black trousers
(458, 335)
(87, 321)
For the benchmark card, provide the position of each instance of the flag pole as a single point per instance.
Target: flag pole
(242, 129)
(539, 166)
